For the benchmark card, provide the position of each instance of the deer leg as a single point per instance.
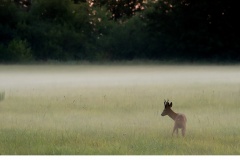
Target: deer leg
(174, 129)
(177, 131)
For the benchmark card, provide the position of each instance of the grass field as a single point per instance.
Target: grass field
(116, 109)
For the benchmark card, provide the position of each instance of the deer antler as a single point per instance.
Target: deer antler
(167, 102)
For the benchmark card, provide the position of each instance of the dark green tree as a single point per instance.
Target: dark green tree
(56, 29)
(194, 29)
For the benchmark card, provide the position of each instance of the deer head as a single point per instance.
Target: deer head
(167, 108)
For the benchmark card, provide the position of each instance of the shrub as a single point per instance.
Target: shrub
(19, 50)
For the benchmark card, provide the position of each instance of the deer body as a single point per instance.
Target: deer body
(179, 119)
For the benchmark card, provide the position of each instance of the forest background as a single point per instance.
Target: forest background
(115, 30)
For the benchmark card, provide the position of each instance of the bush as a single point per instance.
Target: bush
(19, 51)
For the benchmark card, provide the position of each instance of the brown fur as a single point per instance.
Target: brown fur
(180, 119)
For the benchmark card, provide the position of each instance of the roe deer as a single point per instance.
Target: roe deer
(180, 119)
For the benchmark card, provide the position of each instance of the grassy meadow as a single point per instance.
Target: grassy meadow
(116, 109)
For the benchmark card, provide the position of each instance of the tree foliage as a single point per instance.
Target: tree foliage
(118, 30)
(195, 29)
(120, 8)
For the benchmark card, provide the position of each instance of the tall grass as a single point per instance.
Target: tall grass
(120, 119)
(2, 96)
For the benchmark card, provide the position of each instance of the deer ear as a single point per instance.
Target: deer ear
(170, 104)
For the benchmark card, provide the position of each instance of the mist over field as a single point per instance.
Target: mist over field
(116, 109)
(96, 76)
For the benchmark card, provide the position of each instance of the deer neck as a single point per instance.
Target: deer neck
(172, 114)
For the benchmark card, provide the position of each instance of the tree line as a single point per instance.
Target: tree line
(96, 30)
